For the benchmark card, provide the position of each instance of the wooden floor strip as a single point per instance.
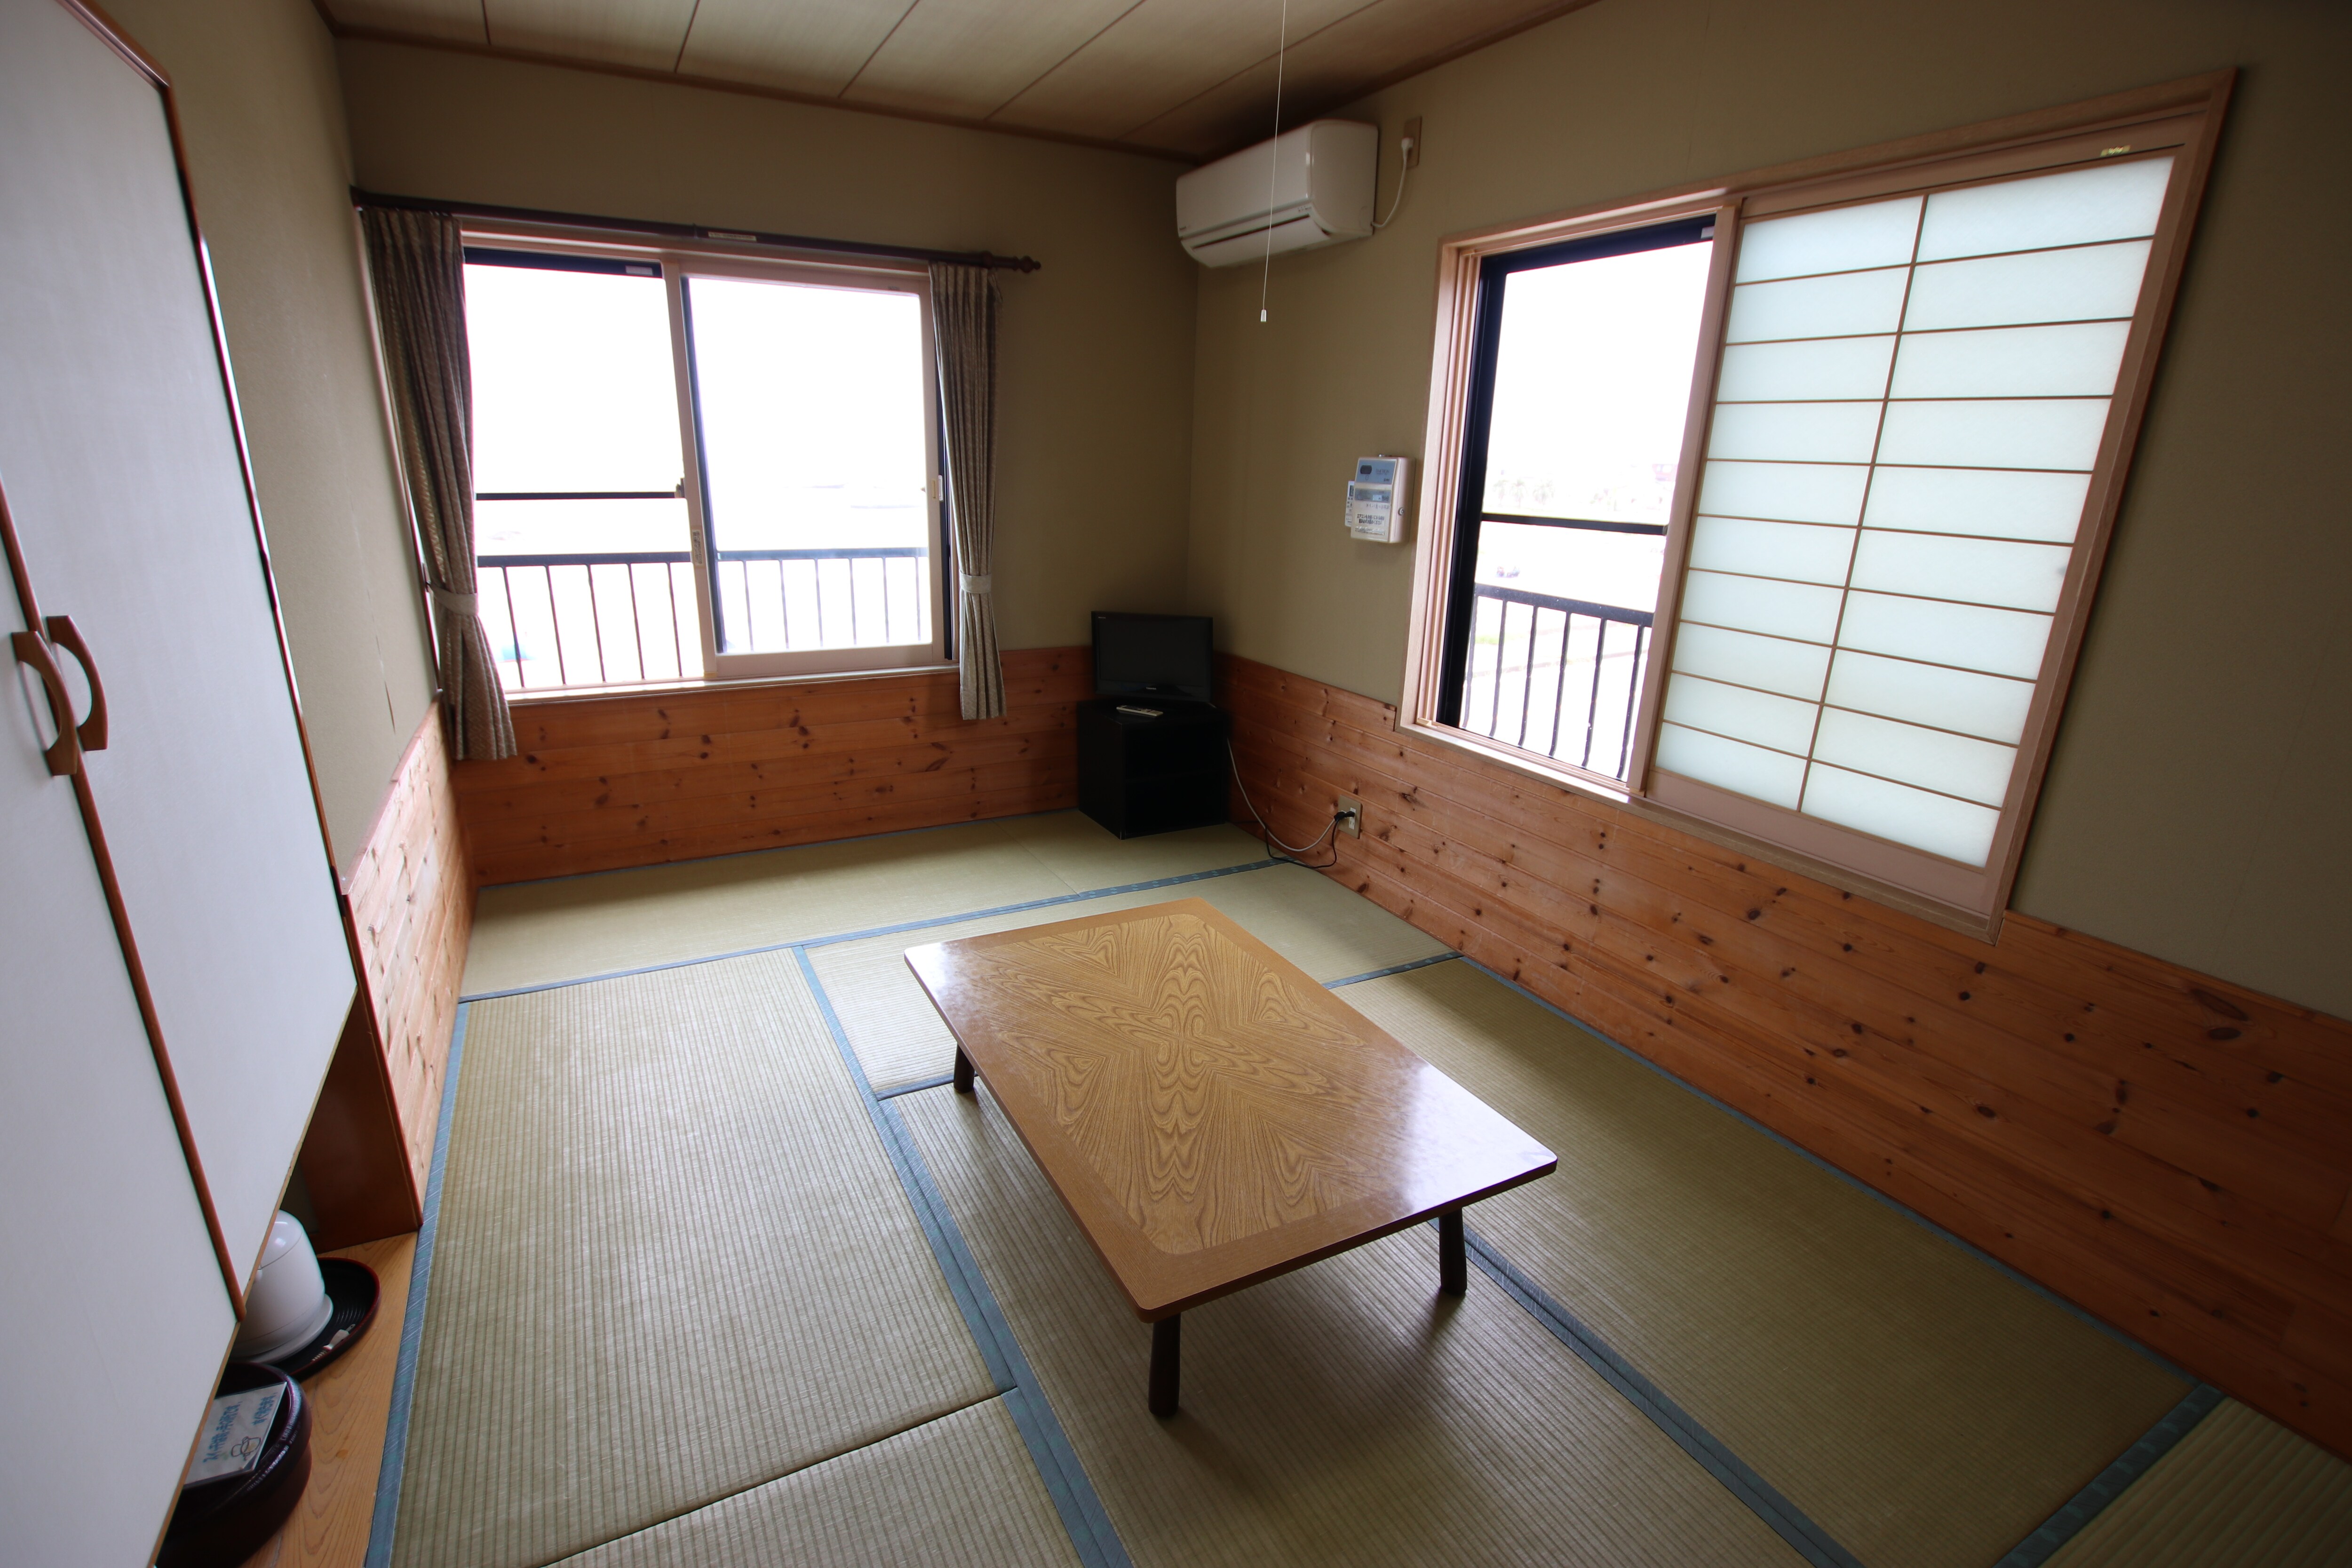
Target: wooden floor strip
(350, 1410)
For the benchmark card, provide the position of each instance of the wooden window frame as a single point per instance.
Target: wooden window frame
(678, 264)
(2180, 118)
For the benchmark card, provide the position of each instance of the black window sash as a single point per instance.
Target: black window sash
(1478, 411)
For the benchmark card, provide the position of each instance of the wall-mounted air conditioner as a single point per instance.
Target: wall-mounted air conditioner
(1311, 186)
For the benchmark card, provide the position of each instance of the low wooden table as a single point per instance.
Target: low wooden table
(1209, 1115)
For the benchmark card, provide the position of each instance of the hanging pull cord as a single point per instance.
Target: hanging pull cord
(1273, 164)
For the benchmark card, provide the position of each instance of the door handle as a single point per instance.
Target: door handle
(64, 753)
(90, 732)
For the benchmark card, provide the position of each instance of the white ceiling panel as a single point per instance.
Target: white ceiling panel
(644, 33)
(1191, 76)
(1374, 44)
(800, 46)
(1157, 56)
(970, 58)
(455, 21)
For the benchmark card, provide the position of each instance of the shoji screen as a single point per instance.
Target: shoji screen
(1907, 413)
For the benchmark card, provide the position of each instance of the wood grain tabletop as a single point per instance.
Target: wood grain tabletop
(1209, 1113)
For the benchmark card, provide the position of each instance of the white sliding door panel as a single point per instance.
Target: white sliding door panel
(115, 1314)
(1914, 394)
(120, 456)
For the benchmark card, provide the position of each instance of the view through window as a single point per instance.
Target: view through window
(1582, 383)
(787, 428)
(1777, 506)
(814, 458)
(579, 524)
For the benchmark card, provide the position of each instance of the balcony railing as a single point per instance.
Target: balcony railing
(1561, 676)
(614, 617)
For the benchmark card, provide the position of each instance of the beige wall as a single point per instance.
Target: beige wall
(2197, 804)
(1095, 392)
(262, 115)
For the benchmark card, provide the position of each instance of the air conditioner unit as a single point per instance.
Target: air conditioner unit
(1311, 186)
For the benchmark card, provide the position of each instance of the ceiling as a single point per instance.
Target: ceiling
(1193, 78)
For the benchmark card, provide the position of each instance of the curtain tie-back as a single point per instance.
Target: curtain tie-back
(456, 604)
(978, 583)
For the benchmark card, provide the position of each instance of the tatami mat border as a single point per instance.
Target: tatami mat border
(1914, 1215)
(2078, 1510)
(874, 930)
(2109, 1484)
(916, 1086)
(1092, 1536)
(1392, 968)
(412, 1321)
(1788, 1522)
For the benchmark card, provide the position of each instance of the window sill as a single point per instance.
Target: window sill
(1967, 922)
(545, 695)
(1526, 764)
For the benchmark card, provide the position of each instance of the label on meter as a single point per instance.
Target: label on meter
(1375, 510)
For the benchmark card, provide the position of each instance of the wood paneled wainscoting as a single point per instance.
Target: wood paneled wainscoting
(2170, 1151)
(638, 779)
(409, 908)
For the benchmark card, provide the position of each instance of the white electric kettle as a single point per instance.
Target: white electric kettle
(287, 1305)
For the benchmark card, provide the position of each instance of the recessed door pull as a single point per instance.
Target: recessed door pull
(90, 732)
(64, 753)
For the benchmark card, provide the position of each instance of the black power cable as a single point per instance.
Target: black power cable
(1273, 843)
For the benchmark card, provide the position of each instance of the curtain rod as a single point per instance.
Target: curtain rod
(360, 198)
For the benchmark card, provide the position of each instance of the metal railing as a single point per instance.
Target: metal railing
(614, 617)
(1564, 678)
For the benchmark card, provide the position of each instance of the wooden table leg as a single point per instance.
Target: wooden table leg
(1167, 1363)
(1453, 1254)
(962, 1072)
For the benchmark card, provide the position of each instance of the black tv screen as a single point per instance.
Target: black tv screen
(1151, 656)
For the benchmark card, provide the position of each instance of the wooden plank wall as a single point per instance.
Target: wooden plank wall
(2170, 1151)
(411, 902)
(640, 779)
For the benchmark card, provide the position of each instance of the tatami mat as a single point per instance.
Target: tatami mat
(1071, 846)
(683, 1314)
(1312, 921)
(673, 1263)
(1922, 1407)
(2238, 1491)
(535, 933)
(1345, 1413)
(958, 1492)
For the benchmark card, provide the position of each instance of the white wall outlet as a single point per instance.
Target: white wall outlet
(1350, 813)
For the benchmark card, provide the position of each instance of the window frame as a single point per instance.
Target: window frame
(2181, 117)
(677, 264)
(1457, 625)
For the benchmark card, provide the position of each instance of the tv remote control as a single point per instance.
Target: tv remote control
(1139, 712)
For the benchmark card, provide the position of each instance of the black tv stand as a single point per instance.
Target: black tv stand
(1139, 775)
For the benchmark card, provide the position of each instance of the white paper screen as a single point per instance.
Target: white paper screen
(1911, 400)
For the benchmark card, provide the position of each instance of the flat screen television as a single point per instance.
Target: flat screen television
(1151, 656)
